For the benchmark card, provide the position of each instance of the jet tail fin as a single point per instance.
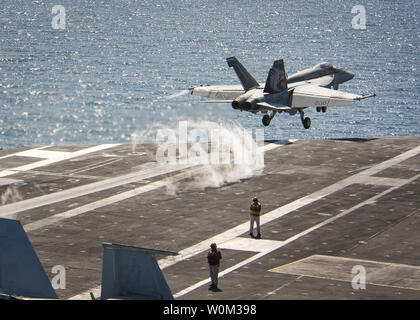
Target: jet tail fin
(21, 272)
(133, 273)
(276, 80)
(248, 82)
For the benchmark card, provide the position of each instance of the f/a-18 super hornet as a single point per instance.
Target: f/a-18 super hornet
(316, 86)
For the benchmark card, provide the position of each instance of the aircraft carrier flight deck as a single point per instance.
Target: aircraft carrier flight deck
(332, 211)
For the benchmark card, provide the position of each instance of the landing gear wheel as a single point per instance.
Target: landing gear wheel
(266, 120)
(307, 123)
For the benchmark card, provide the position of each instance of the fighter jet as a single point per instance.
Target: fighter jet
(307, 88)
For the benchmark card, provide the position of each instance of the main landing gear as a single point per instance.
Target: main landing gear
(305, 121)
(267, 119)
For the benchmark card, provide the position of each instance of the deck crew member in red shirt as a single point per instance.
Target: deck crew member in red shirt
(213, 258)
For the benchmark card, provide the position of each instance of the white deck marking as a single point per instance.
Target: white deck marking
(385, 274)
(248, 244)
(93, 166)
(21, 153)
(107, 201)
(10, 210)
(391, 182)
(16, 207)
(50, 157)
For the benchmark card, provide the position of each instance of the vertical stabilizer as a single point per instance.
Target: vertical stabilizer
(248, 82)
(133, 273)
(21, 272)
(276, 80)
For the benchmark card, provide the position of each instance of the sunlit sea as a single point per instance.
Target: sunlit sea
(119, 67)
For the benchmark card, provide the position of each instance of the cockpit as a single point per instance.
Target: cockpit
(324, 65)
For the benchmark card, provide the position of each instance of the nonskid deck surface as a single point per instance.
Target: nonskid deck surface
(336, 214)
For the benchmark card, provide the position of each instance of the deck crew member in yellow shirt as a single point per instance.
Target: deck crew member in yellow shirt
(255, 217)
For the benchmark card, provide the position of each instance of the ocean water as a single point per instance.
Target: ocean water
(119, 67)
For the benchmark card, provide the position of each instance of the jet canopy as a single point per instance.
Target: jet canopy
(324, 65)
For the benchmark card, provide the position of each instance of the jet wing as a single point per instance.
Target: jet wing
(225, 92)
(231, 92)
(312, 95)
(325, 81)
